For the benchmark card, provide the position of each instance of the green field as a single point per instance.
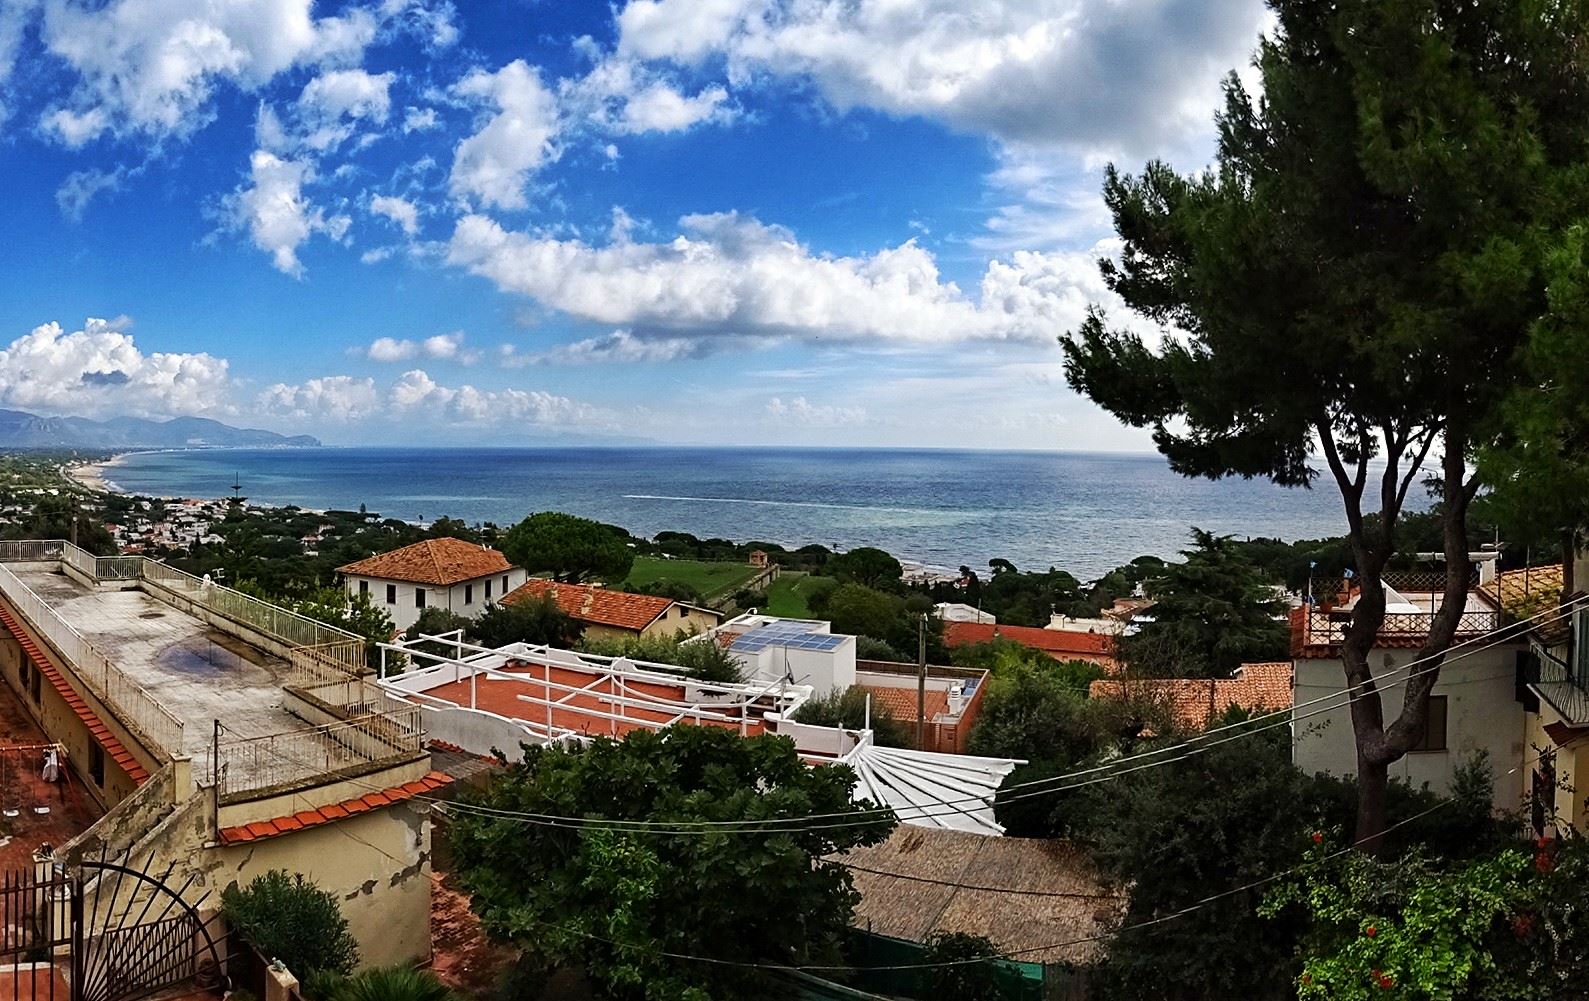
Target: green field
(787, 596)
(712, 580)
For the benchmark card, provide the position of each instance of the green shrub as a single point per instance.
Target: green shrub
(846, 707)
(286, 917)
(387, 983)
(703, 660)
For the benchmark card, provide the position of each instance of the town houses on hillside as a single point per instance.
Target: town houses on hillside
(1060, 644)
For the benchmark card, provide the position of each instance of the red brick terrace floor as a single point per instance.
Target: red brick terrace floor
(22, 788)
(500, 696)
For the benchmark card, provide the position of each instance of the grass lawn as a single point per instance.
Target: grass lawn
(787, 596)
(713, 580)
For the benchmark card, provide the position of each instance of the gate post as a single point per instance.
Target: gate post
(74, 882)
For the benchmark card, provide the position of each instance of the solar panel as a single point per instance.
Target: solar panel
(793, 635)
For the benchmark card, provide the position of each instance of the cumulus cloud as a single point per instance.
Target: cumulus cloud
(152, 66)
(277, 214)
(333, 103)
(492, 166)
(727, 274)
(618, 347)
(629, 97)
(99, 371)
(1083, 75)
(401, 211)
(441, 346)
(420, 120)
(799, 411)
(660, 108)
(334, 397)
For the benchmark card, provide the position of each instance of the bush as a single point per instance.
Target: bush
(872, 648)
(435, 621)
(747, 598)
(387, 983)
(963, 981)
(702, 660)
(846, 707)
(534, 620)
(286, 917)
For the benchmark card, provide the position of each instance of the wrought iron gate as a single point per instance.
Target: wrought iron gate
(100, 931)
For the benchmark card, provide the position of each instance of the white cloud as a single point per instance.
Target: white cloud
(618, 347)
(334, 102)
(152, 66)
(335, 397)
(99, 371)
(401, 211)
(420, 120)
(417, 393)
(441, 346)
(82, 186)
(15, 17)
(732, 275)
(660, 108)
(799, 411)
(277, 214)
(1082, 74)
(493, 166)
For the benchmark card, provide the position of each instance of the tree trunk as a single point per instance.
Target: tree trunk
(1373, 782)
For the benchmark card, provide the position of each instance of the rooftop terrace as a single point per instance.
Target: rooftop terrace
(197, 671)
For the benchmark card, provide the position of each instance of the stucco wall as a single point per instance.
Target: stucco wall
(1482, 712)
(1571, 762)
(404, 613)
(680, 619)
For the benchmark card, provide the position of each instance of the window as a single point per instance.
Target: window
(468, 594)
(419, 597)
(96, 763)
(1433, 735)
(364, 589)
(33, 682)
(504, 583)
(391, 594)
(488, 590)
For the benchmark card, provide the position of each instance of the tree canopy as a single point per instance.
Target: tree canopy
(535, 619)
(1360, 277)
(1215, 611)
(570, 548)
(866, 565)
(614, 903)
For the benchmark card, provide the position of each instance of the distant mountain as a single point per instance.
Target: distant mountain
(22, 430)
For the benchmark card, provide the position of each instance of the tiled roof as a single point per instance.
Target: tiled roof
(1059, 643)
(1194, 702)
(288, 823)
(598, 605)
(1528, 590)
(900, 703)
(114, 748)
(441, 562)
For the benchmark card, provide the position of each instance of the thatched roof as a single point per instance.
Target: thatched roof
(1026, 926)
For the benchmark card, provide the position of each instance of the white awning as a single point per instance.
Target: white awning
(952, 791)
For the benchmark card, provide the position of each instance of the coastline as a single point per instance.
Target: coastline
(91, 475)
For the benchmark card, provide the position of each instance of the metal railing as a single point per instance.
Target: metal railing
(1322, 628)
(279, 623)
(1431, 581)
(114, 688)
(31, 550)
(244, 767)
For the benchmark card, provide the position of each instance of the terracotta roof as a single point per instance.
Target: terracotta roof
(1058, 643)
(1528, 590)
(1194, 702)
(598, 605)
(441, 562)
(900, 703)
(976, 867)
(287, 823)
(114, 748)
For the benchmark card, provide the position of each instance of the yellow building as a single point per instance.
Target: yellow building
(603, 613)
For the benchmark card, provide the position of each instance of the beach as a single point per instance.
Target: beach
(92, 475)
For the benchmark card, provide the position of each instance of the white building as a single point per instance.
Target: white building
(459, 576)
(801, 651)
(1474, 705)
(959, 611)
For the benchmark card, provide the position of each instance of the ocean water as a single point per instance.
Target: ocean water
(1083, 512)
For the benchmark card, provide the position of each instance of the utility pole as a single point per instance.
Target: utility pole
(921, 682)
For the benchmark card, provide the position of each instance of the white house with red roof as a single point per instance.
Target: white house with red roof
(462, 577)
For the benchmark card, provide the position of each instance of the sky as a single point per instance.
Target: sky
(814, 222)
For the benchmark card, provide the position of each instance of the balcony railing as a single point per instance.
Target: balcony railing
(114, 688)
(1328, 628)
(251, 767)
(1564, 671)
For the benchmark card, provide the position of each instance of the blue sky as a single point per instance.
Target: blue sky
(714, 221)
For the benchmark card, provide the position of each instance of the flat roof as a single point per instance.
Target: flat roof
(197, 671)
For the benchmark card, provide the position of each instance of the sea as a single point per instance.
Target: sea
(1083, 512)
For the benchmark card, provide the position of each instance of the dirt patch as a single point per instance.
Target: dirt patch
(463, 957)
